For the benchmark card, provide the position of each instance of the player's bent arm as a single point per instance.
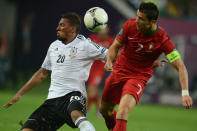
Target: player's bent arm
(113, 50)
(182, 71)
(37, 78)
(112, 54)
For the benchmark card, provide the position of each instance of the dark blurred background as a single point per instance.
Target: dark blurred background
(27, 27)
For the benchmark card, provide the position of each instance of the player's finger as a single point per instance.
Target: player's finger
(190, 103)
(7, 105)
(161, 64)
(187, 104)
(109, 69)
(164, 60)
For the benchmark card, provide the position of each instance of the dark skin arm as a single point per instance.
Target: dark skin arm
(37, 78)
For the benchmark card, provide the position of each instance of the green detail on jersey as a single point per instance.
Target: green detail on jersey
(174, 55)
(153, 31)
(121, 32)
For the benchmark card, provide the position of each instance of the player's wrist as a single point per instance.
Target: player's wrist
(185, 92)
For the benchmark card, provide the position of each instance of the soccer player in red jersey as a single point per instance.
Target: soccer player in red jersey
(142, 42)
(97, 72)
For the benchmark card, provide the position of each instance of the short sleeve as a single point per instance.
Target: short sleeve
(167, 45)
(96, 51)
(122, 35)
(47, 63)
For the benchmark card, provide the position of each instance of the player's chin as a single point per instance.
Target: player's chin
(138, 27)
(59, 37)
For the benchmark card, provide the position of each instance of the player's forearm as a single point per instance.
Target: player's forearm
(182, 71)
(111, 55)
(113, 51)
(37, 78)
(183, 77)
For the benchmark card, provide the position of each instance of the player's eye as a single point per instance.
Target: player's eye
(61, 24)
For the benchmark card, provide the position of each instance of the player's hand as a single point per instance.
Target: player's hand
(13, 100)
(159, 63)
(187, 101)
(108, 66)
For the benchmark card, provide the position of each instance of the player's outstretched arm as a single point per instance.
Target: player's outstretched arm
(112, 54)
(37, 78)
(183, 78)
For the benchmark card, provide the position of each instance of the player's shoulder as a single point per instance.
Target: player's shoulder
(81, 37)
(54, 44)
(82, 41)
(79, 40)
(162, 33)
(131, 21)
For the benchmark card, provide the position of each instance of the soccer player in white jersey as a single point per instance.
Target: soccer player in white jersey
(68, 60)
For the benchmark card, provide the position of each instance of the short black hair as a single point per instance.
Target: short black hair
(74, 19)
(150, 9)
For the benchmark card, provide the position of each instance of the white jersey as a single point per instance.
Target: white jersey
(70, 65)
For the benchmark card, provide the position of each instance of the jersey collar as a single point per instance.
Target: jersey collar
(152, 32)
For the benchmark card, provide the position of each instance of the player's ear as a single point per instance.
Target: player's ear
(73, 29)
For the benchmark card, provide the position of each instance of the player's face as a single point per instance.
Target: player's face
(64, 29)
(142, 22)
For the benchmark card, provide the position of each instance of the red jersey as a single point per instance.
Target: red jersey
(97, 71)
(141, 50)
(106, 42)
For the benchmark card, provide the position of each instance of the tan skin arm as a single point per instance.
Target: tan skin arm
(183, 79)
(112, 54)
(37, 78)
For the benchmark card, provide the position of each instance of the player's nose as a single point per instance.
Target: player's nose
(58, 28)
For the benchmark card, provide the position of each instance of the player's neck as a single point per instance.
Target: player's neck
(151, 30)
(70, 39)
(154, 27)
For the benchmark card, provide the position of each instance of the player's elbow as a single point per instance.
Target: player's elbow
(178, 65)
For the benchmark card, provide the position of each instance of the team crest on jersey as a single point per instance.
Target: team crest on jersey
(150, 46)
(73, 52)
